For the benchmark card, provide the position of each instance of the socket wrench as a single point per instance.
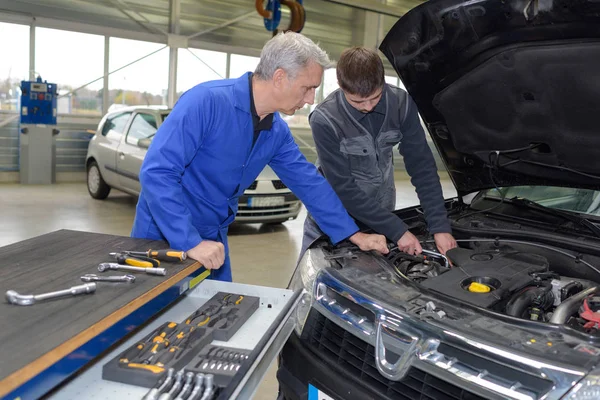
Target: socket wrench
(114, 266)
(28, 299)
(98, 278)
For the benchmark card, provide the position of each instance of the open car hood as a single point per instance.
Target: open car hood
(509, 89)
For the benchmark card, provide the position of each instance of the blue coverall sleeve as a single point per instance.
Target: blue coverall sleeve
(313, 190)
(174, 146)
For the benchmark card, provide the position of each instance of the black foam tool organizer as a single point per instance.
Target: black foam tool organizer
(174, 345)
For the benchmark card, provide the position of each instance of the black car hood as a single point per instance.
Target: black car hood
(509, 90)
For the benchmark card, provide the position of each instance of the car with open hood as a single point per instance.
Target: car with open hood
(509, 91)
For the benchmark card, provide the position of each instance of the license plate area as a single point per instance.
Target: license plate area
(265, 201)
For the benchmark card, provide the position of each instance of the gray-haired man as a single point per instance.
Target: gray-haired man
(216, 141)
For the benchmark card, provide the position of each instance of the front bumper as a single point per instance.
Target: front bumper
(288, 210)
(343, 367)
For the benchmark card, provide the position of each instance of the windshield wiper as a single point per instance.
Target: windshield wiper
(532, 205)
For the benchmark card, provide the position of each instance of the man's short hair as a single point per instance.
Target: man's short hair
(360, 71)
(291, 52)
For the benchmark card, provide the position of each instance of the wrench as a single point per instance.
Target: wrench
(29, 299)
(96, 278)
(151, 271)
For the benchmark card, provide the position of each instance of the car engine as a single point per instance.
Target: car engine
(512, 282)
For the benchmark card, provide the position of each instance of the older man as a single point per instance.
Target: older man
(216, 141)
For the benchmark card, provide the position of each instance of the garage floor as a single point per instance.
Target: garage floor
(260, 254)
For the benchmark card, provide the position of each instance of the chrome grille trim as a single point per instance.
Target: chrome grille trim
(426, 354)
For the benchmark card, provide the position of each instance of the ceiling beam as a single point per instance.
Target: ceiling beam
(379, 8)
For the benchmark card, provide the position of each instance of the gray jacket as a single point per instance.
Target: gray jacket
(359, 164)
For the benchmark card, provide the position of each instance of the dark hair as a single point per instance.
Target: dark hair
(360, 71)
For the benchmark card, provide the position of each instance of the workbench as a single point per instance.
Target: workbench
(57, 348)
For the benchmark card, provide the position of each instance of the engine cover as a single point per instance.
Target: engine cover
(503, 272)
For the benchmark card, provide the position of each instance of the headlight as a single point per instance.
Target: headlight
(304, 278)
(587, 389)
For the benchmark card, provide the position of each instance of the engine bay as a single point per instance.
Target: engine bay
(506, 279)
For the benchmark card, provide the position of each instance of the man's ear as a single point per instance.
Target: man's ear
(279, 77)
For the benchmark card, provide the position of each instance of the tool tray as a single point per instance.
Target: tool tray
(218, 319)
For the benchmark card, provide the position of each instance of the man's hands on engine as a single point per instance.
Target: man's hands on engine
(208, 253)
(368, 242)
(444, 242)
(409, 244)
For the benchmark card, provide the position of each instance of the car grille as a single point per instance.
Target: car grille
(279, 185)
(356, 358)
(264, 211)
(253, 186)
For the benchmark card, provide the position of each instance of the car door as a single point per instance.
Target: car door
(105, 144)
(132, 149)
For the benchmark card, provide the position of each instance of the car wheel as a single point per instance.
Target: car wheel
(96, 186)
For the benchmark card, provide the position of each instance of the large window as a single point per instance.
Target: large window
(146, 80)
(71, 60)
(242, 64)
(196, 66)
(14, 63)
(330, 83)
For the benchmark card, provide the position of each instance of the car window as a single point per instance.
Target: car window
(143, 127)
(568, 199)
(115, 125)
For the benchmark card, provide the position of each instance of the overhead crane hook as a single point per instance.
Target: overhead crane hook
(272, 14)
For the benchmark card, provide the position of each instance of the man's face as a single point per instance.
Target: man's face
(294, 93)
(364, 104)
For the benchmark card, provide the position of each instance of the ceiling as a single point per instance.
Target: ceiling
(335, 26)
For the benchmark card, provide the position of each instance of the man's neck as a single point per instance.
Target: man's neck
(262, 98)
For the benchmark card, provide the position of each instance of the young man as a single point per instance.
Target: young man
(355, 129)
(216, 141)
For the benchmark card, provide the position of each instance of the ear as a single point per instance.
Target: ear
(280, 77)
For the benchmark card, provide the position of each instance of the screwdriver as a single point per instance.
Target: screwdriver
(136, 261)
(133, 353)
(163, 255)
(166, 357)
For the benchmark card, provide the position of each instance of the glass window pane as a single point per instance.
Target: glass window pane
(14, 64)
(195, 66)
(392, 80)
(330, 83)
(242, 64)
(142, 127)
(114, 126)
(144, 82)
(71, 59)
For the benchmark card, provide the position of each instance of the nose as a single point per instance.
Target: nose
(310, 97)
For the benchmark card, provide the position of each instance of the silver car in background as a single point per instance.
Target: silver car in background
(116, 151)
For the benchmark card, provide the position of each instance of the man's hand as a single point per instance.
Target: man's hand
(368, 242)
(409, 244)
(444, 242)
(210, 254)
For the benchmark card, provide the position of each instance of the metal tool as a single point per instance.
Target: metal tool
(136, 261)
(28, 299)
(97, 278)
(176, 386)
(160, 387)
(163, 255)
(114, 266)
(187, 386)
(197, 391)
(208, 390)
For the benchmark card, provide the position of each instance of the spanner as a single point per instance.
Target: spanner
(29, 299)
(97, 278)
(151, 271)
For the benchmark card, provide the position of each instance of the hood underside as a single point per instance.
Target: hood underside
(509, 90)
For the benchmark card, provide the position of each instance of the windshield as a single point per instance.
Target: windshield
(164, 116)
(582, 201)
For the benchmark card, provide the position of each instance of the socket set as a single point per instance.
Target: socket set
(222, 362)
(174, 345)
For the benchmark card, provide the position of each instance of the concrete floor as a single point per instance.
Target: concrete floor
(260, 254)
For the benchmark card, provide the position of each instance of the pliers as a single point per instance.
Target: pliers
(136, 261)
